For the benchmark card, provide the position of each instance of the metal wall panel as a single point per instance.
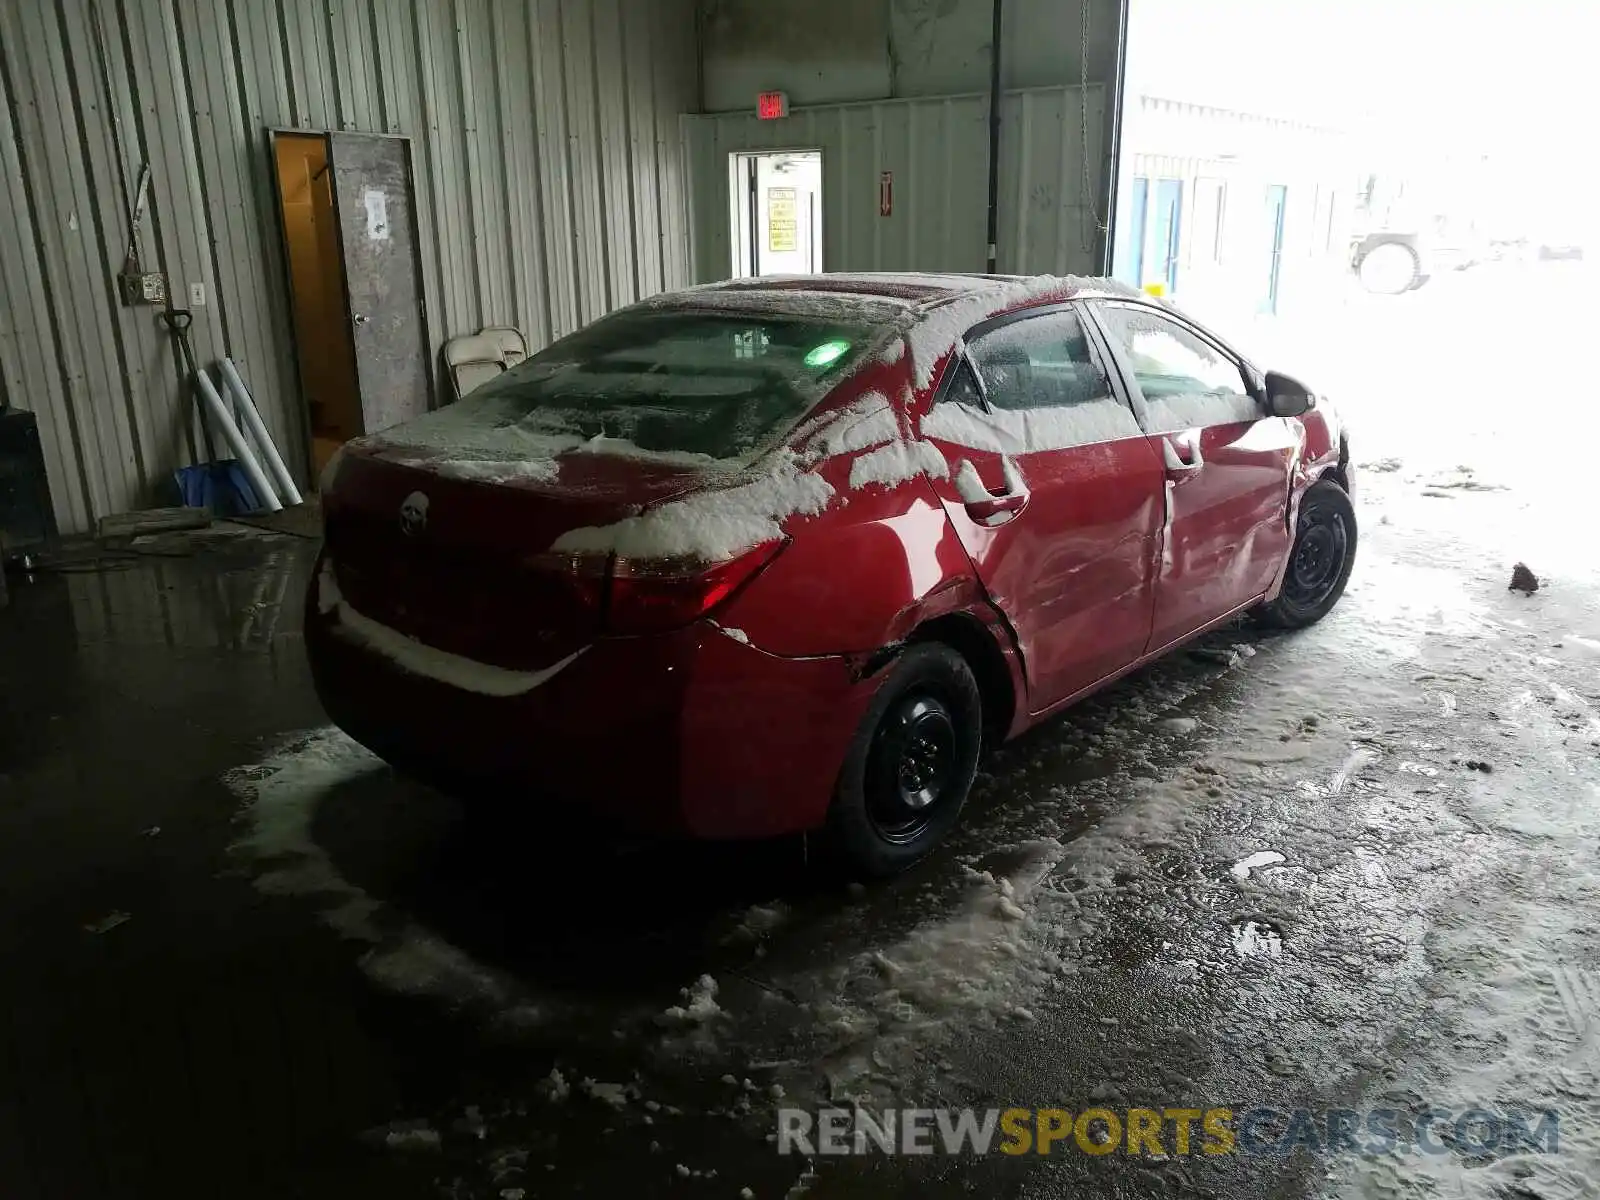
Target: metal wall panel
(937, 150)
(545, 145)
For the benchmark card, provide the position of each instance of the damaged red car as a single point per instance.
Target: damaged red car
(781, 555)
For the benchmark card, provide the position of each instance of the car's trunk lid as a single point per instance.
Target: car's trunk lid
(458, 558)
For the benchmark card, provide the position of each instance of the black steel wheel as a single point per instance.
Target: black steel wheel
(1319, 561)
(910, 766)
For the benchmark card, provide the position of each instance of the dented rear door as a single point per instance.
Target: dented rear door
(1056, 495)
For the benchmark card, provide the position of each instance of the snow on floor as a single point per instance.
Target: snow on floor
(1027, 913)
(1514, 1013)
(1297, 863)
(279, 797)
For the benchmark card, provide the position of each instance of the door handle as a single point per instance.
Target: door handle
(988, 507)
(997, 510)
(360, 318)
(1173, 449)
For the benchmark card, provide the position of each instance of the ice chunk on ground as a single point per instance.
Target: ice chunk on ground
(554, 1086)
(408, 1135)
(1262, 858)
(761, 919)
(699, 1004)
(614, 1094)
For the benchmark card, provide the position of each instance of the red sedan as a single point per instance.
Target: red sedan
(780, 554)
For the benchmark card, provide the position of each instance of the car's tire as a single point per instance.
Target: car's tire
(1390, 268)
(1320, 559)
(910, 765)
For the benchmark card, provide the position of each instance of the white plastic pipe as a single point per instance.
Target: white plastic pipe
(241, 448)
(258, 431)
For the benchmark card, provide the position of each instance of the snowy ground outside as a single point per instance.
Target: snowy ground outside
(1349, 868)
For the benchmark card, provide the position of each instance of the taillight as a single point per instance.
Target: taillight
(581, 576)
(649, 596)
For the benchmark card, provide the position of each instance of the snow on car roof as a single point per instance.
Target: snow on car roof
(881, 292)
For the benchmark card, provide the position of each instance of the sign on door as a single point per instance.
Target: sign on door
(783, 226)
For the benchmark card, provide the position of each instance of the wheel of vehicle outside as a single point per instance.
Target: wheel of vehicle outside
(1389, 269)
(909, 769)
(1324, 550)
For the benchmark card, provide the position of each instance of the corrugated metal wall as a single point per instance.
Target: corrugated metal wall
(937, 149)
(547, 153)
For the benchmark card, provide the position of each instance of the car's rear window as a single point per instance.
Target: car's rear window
(721, 384)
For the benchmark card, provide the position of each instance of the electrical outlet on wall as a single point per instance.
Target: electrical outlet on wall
(197, 295)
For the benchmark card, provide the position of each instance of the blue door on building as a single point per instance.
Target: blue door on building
(1127, 258)
(1277, 198)
(1169, 231)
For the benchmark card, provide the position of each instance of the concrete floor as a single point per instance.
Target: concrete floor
(333, 982)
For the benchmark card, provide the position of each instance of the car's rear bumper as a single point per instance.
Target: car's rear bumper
(687, 733)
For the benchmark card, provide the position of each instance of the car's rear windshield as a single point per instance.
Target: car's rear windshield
(721, 384)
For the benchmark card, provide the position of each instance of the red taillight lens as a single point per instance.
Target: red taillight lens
(649, 596)
(582, 577)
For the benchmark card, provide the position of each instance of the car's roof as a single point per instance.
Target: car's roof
(882, 296)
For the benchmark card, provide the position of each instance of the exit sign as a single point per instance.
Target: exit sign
(772, 105)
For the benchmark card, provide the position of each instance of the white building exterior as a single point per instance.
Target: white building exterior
(1230, 211)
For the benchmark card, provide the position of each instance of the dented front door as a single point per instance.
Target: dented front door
(1226, 463)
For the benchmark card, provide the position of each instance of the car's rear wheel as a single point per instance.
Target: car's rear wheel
(1390, 268)
(909, 769)
(1324, 550)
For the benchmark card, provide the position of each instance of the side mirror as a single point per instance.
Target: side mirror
(1288, 397)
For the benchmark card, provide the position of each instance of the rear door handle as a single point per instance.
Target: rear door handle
(1172, 453)
(996, 510)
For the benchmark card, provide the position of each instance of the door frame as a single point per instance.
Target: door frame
(1278, 210)
(736, 159)
(1173, 189)
(271, 133)
(1133, 232)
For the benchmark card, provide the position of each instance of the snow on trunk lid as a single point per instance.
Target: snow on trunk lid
(467, 568)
